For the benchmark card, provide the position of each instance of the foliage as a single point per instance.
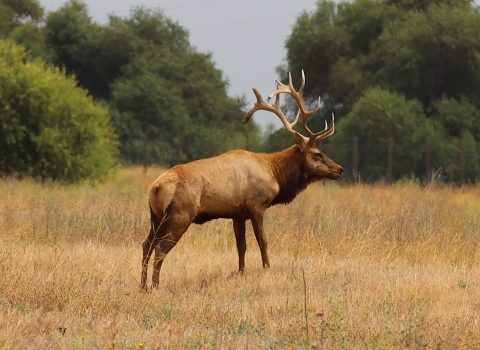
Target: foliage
(169, 103)
(49, 127)
(74, 39)
(173, 100)
(348, 47)
(457, 116)
(377, 118)
(427, 55)
(21, 21)
(14, 12)
(276, 140)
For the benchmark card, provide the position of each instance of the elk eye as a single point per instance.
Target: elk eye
(319, 155)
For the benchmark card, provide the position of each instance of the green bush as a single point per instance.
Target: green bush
(50, 128)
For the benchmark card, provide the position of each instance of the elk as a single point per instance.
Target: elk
(238, 185)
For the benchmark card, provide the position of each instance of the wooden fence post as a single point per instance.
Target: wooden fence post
(179, 149)
(428, 159)
(356, 175)
(145, 154)
(390, 161)
(463, 162)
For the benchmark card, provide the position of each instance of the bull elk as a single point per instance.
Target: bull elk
(237, 185)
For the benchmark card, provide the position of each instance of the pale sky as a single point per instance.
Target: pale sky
(246, 37)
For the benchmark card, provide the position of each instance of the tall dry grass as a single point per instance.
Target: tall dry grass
(354, 267)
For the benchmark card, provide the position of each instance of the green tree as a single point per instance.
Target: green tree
(21, 21)
(430, 54)
(74, 41)
(462, 132)
(169, 103)
(276, 141)
(348, 47)
(150, 111)
(377, 118)
(96, 53)
(15, 12)
(50, 128)
(174, 107)
(457, 116)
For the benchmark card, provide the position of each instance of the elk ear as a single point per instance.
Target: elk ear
(299, 141)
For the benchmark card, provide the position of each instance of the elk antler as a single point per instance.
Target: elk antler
(298, 96)
(275, 108)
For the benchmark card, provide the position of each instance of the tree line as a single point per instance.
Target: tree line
(77, 97)
(403, 70)
(164, 101)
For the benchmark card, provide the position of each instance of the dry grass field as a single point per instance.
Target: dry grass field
(353, 267)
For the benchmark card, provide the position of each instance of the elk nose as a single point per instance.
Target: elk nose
(341, 170)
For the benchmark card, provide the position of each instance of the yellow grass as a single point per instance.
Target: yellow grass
(384, 268)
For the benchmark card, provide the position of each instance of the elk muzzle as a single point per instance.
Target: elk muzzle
(336, 172)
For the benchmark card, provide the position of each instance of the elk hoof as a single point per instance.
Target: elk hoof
(235, 274)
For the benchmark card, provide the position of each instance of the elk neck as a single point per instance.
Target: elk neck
(287, 167)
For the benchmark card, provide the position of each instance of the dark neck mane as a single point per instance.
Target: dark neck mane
(288, 170)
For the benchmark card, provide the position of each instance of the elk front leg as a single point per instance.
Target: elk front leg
(239, 229)
(257, 223)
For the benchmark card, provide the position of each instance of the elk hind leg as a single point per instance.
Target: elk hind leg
(172, 235)
(156, 228)
(148, 246)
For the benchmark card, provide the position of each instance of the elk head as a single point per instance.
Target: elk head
(316, 165)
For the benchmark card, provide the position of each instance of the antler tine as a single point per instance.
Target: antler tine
(275, 108)
(324, 134)
(302, 84)
(305, 116)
